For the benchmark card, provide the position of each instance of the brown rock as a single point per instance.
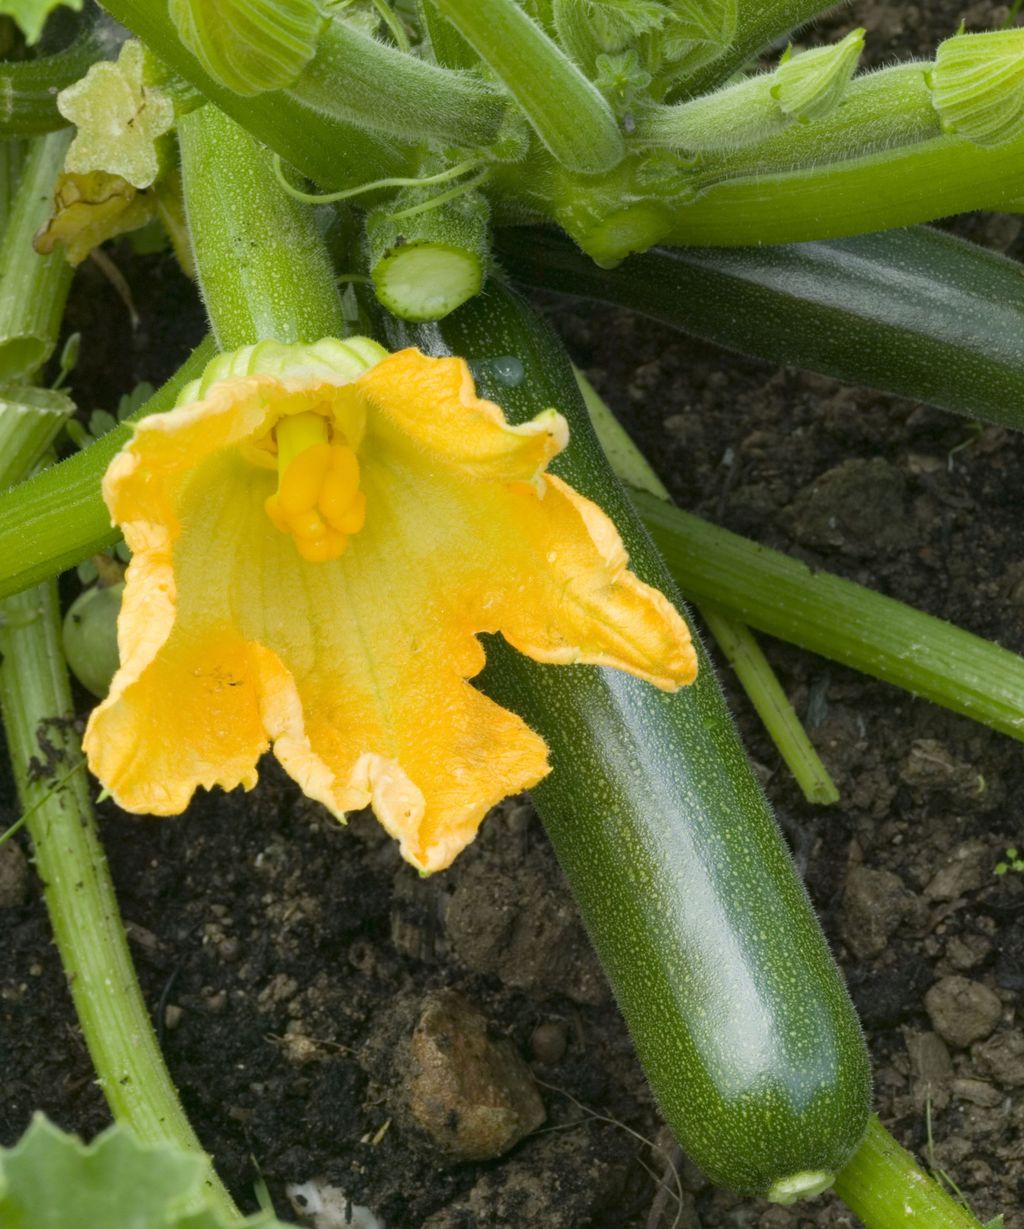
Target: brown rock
(961, 1010)
(1001, 1058)
(858, 506)
(473, 1096)
(977, 1092)
(931, 1068)
(966, 869)
(14, 875)
(874, 904)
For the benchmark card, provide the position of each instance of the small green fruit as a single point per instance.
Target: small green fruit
(90, 637)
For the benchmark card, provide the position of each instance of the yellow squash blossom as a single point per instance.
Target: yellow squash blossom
(319, 534)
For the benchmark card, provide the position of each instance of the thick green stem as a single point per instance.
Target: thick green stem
(734, 638)
(878, 191)
(839, 619)
(428, 250)
(887, 1189)
(29, 88)
(58, 517)
(374, 86)
(324, 146)
(260, 259)
(34, 288)
(38, 715)
(566, 110)
(30, 418)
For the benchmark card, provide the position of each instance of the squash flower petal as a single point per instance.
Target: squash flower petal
(333, 614)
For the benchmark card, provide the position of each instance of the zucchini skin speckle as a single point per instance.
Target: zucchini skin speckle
(737, 1011)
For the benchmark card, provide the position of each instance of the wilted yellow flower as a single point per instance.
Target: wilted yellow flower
(317, 546)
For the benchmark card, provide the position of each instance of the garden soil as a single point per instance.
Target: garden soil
(333, 1020)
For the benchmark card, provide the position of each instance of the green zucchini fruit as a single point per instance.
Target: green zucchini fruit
(738, 1014)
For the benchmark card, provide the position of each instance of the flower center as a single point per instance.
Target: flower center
(318, 500)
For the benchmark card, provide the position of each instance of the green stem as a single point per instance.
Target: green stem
(846, 622)
(779, 717)
(13, 151)
(284, 288)
(38, 714)
(323, 145)
(734, 638)
(58, 517)
(567, 111)
(29, 88)
(34, 288)
(878, 191)
(374, 86)
(30, 419)
(428, 253)
(887, 1189)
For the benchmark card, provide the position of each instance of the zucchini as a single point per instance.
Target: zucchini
(738, 1014)
(914, 312)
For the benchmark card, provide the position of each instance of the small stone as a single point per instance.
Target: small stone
(977, 1092)
(874, 904)
(961, 1010)
(14, 876)
(967, 951)
(172, 1016)
(931, 1068)
(548, 1042)
(1001, 1058)
(857, 507)
(474, 1097)
(965, 870)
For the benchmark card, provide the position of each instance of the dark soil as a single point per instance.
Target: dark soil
(286, 958)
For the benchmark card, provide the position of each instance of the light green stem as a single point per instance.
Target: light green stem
(735, 639)
(779, 717)
(846, 622)
(887, 1189)
(567, 111)
(58, 516)
(258, 252)
(39, 721)
(877, 191)
(38, 715)
(34, 288)
(374, 86)
(30, 419)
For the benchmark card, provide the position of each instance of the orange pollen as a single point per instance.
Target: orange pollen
(318, 500)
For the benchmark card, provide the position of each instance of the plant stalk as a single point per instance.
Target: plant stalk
(846, 622)
(258, 252)
(565, 109)
(34, 287)
(887, 1189)
(39, 717)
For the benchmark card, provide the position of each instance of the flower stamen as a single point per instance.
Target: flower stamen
(318, 500)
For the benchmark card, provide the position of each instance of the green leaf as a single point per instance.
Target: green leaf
(698, 32)
(50, 1180)
(250, 46)
(31, 15)
(978, 85)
